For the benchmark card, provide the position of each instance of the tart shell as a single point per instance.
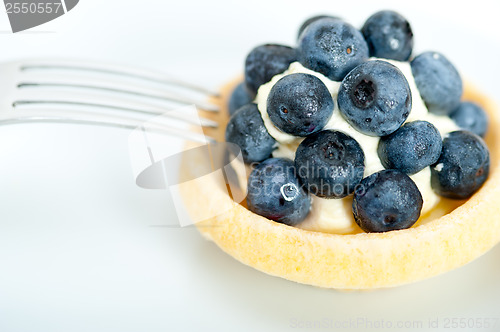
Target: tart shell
(354, 261)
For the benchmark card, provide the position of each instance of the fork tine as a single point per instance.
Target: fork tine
(25, 99)
(54, 116)
(33, 80)
(98, 94)
(114, 69)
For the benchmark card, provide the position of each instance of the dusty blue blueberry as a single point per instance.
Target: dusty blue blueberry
(463, 166)
(310, 20)
(438, 82)
(246, 129)
(332, 47)
(471, 117)
(275, 192)
(388, 35)
(386, 201)
(264, 62)
(411, 148)
(238, 98)
(330, 163)
(300, 104)
(375, 98)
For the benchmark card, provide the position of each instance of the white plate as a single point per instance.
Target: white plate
(80, 245)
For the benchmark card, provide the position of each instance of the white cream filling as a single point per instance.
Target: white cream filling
(335, 215)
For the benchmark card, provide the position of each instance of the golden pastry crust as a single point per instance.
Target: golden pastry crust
(355, 261)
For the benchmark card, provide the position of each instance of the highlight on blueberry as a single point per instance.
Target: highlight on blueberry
(275, 192)
(265, 61)
(388, 35)
(438, 82)
(375, 98)
(313, 19)
(463, 166)
(331, 47)
(386, 201)
(330, 163)
(239, 97)
(411, 148)
(247, 130)
(472, 117)
(300, 104)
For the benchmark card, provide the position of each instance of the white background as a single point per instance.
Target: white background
(78, 247)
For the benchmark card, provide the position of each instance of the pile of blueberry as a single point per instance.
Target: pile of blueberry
(374, 98)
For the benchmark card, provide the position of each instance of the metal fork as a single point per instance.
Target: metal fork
(79, 91)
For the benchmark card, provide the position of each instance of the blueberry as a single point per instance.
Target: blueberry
(331, 47)
(386, 201)
(300, 104)
(375, 98)
(411, 148)
(463, 166)
(264, 62)
(275, 192)
(330, 163)
(238, 98)
(438, 82)
(388, 35)
(471, 117)
(312, 19)
(246, 129)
